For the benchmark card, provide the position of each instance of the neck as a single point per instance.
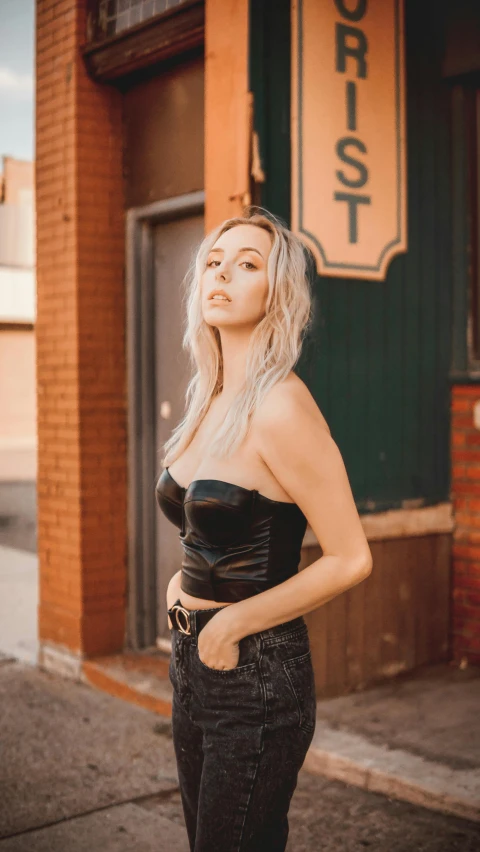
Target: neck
(235, 343)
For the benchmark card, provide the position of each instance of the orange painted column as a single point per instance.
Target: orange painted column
(81, 376)
(227, 110)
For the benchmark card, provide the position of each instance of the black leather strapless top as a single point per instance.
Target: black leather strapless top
(236, 542)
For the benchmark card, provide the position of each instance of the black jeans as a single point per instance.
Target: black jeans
(241, 735)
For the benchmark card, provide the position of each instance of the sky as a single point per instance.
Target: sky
(17, 57)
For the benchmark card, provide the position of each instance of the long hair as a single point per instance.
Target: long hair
(275, 344)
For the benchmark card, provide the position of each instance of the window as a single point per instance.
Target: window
(116, 16)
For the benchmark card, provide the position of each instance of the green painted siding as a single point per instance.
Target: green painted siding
(379, 356)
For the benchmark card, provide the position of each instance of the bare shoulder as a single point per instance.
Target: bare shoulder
(293, 439)
(290, 400)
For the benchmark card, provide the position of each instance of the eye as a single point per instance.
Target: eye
(212, 262)
(250, 264)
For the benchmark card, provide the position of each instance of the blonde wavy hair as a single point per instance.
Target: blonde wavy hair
(275, 344)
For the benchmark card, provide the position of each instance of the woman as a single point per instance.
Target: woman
(251, 462)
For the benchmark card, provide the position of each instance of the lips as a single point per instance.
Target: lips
(218, 292)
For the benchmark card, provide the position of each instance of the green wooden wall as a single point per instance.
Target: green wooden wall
(378, 359)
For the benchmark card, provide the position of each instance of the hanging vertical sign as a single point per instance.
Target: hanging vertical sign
(348, 134)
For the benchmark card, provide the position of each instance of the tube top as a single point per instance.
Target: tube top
(236, 542)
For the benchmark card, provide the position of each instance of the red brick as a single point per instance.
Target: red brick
(459, 471)
(461, 403)
(81, 374)
(462, 421)
(465, 390)
(466, 487)
(472, 438)
(463, 455)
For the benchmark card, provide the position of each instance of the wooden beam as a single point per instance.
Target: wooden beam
(228, 110)
(175, 32)
(400, 523)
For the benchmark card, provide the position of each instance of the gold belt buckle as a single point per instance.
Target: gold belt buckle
(185, 612)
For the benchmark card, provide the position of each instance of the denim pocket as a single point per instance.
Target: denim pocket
(249, 667)
(247, 658)
(300, 674)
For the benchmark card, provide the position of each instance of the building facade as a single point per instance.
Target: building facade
(155, 121)
(18, 442)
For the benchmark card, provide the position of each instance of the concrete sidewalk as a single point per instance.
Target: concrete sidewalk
(414, 738)
(19, 604)
(80, 770)
(83, 771)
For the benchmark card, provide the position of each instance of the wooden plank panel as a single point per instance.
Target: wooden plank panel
(339, 364)
(392, 567)
(422, 584)
(410, 273)
(438, 645)
(377, 414)
(317, 624)
(392, 399)
(336, 617)
(395, 620)
(357, 460)
(428, 282)
(373, 614)
(355, 645)
(407, 602)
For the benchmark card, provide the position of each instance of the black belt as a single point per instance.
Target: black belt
(190, 621)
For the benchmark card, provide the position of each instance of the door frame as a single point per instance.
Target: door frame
(141, 620)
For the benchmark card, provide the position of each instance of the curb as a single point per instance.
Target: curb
(347, 757)
(141, 679)
(340, 755)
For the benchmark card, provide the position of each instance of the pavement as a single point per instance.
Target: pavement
(18, 515)
(86, 771)
(76, 766)
(19, 604)
(18, 571)
(414, 738)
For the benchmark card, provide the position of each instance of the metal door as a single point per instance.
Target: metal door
(174, 244)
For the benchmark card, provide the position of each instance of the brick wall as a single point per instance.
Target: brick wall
(466, 545)
(80, 343)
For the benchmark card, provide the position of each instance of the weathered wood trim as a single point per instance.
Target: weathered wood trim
(228, 110)
(174, 32)
(401, 523)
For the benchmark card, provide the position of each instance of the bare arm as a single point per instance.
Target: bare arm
(294, 441)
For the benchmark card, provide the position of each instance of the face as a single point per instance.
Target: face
(237, 264)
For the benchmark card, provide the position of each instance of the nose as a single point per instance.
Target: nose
(222, 273)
